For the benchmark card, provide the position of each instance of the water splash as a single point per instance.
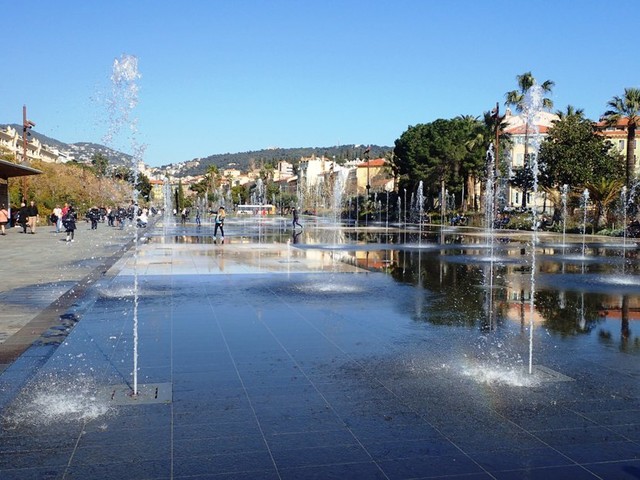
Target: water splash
(55, 399)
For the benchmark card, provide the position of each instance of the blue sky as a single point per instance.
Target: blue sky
(222, 76)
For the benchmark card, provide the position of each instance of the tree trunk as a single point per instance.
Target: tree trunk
(526, 162)
(631, 164)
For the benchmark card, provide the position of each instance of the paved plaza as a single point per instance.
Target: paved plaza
(261, 359)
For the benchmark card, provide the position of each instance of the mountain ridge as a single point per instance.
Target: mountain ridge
(83, 152)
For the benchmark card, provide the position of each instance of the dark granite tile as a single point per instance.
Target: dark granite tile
(351, 471)
(48, 473)
(222, 445)
(140, 451)
(316, 456)
(158, 469)
(578, 436)
(425, 467)
(518, 459)
(398, 449)
(253, 475)
(35, 459)
(623, 470)
(629, 432)
(317, 438)
(240, 463)
(601, 452)
(216, 429)
(280, 425)
(548, 473)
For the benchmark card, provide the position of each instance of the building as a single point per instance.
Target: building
(376, 174)
(617, 134)
(312, 171)
(524, 138)
(157, 192)
(11, 146)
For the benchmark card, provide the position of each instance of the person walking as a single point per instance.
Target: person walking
(58, 214)
(69, 223)
(295, 220)
(94, 215)
(32, 214)
(23, 217)
(4, 218)
(219, 223)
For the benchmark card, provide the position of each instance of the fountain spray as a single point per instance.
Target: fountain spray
(533, 105)
(123, 100)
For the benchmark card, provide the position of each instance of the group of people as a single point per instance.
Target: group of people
(26, 217)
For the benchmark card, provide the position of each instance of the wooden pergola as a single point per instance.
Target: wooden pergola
(11, 170)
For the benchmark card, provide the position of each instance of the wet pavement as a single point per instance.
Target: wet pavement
(260, 359)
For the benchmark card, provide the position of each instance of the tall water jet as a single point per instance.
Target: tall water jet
(563, 195)
(623, 201)
(490, 223)
(124, 99)
(533, 105)
(585, 204)
(419, 209)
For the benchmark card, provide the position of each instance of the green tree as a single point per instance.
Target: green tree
(479, 135)
(239, 194)
(143, 186)
(603, 193)
(100, 164)
(574, 154)
(626, 107)
(180, 198)
(434, 153)
(517, 99)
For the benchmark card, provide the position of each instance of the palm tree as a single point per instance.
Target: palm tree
(516, 99)
(627, 106)
(603, 193)
(571, 111)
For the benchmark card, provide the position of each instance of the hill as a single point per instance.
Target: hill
(255, 158)
(82, 152)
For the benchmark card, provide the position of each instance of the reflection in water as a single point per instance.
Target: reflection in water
(449, 273)
(576, 296)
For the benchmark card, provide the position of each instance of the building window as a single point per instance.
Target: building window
(621, 145)
(516, 196)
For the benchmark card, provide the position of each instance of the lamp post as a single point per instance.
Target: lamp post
(498, 119)
(27, 125)
(365, 156)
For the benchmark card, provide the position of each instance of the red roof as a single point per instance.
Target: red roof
(621, 123)
(520, 130)
(377, 162)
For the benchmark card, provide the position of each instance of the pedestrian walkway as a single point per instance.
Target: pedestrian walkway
(43, 275)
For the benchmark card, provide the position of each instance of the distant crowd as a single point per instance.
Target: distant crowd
(65, 218)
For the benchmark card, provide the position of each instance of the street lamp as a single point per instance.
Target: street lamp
(365, 157)
(27, 125)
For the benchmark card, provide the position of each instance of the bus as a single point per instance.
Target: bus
(256, 209)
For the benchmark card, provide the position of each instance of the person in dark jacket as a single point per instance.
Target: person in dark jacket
(69, 223)
(32, 215)
(23, 217)
(94, 215)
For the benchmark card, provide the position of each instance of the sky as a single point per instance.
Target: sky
(227, 76)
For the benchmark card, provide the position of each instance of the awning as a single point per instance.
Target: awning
(8, 170)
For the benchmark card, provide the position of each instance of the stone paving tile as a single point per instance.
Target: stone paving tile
(294, 371)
